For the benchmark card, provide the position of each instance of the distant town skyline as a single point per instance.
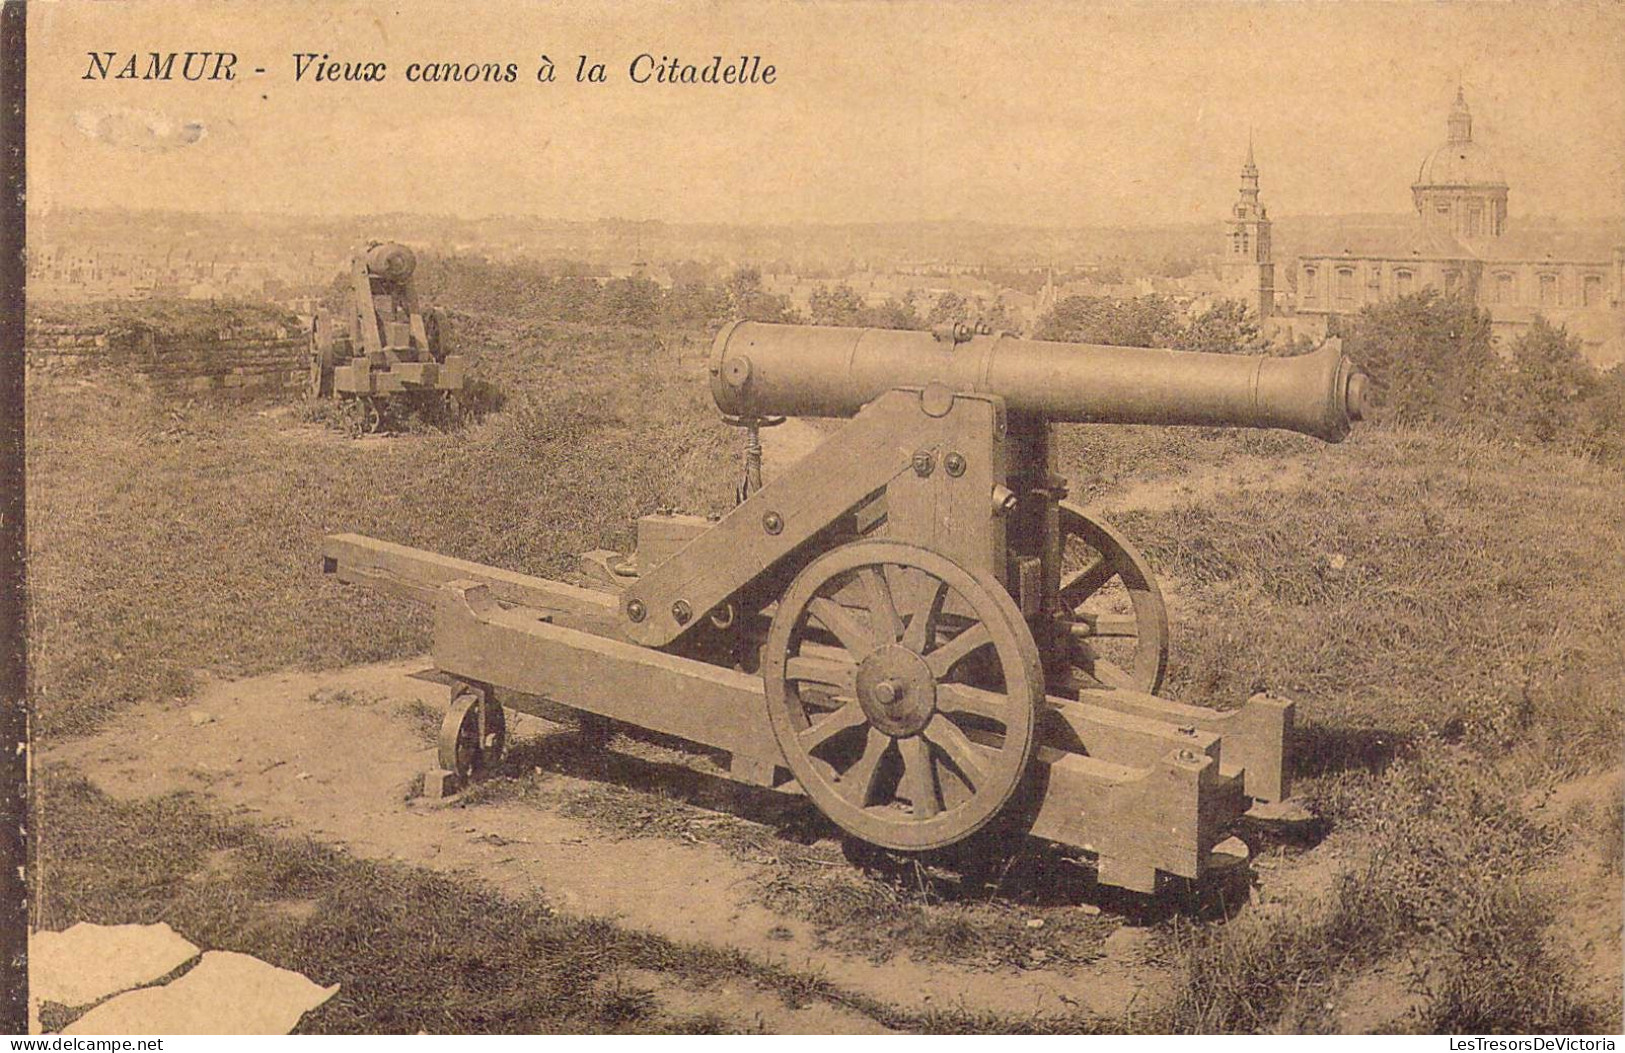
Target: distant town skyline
(1029, 114)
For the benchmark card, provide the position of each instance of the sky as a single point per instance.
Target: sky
(1035, 113)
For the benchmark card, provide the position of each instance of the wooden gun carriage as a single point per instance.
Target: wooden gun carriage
(911, 625)
(386, 348)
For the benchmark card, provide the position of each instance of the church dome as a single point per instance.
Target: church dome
(1460, 164)
(1459, 191)
(1460, 161)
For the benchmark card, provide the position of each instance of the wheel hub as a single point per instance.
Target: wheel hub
(896, 690)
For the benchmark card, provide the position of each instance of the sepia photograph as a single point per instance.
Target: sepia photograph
(855, 517)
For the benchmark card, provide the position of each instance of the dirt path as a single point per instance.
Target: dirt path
(336, 756)
(1161, 493)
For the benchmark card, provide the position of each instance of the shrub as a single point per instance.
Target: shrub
(1433, 364)
(1550, 384)
(1431, 358)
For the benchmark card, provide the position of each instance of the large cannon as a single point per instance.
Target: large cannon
(911, 625)
(384, 350)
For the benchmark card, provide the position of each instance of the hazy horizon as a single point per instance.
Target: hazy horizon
(1279, 218)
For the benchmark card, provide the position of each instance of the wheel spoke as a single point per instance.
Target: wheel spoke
(942, 733)
(848, 716)
(1116, 625)
(955, 790)
(962, 698)
(919, 782)
(1079, 586)
(839, 620)
(943, 659)
(835, 672)
(922, 623)
(859, 780)
(888, 625)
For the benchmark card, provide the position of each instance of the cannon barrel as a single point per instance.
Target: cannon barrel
(391, 261)
(760, 370)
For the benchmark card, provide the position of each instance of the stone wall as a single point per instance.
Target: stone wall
(258, 355)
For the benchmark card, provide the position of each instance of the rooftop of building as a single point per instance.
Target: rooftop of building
(1515, 245)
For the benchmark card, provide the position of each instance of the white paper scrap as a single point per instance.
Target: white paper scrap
(88, 962)
(224, 994)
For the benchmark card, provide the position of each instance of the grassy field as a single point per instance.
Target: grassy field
(166, 539)
(1447, 613)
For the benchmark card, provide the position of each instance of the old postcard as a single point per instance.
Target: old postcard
(845, 517)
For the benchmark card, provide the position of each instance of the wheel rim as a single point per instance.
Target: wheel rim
(464, 749)
(902, 690)
(1109, 595)
(372, 418)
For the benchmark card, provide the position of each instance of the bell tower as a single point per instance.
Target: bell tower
(1248, 269)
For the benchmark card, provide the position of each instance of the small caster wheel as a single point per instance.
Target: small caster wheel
(473, 734)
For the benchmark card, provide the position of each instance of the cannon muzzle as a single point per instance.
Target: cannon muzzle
(763, 370)
(391, 261)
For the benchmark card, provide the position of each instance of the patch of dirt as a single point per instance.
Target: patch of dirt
(1588, 792)
(283, 750)
(301, 432)
(1379, 1000)
(1586, 886)
(1163, 493)
(746, 1007)
(1286, 874)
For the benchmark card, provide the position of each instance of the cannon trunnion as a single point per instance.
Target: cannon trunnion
(911, 625)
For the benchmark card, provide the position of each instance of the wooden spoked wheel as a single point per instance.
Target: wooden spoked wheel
(903, 690)
(473, 734)
(1113, 609)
